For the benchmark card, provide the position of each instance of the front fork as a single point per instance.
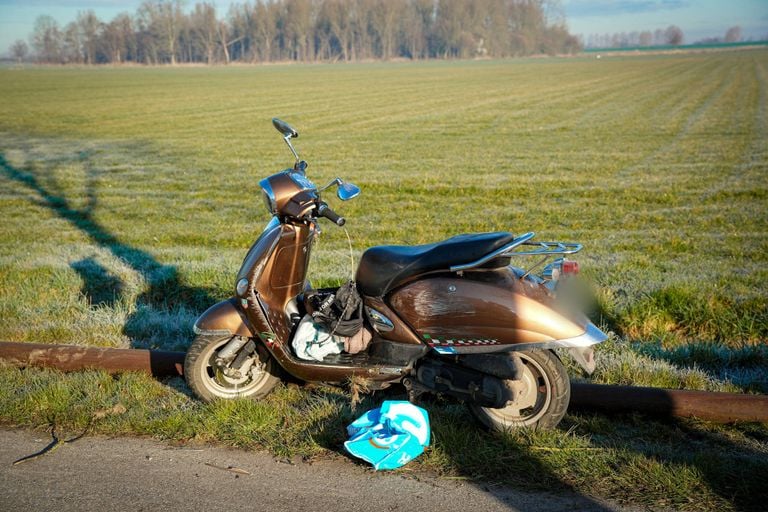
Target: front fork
(228, 318)
(234, 359)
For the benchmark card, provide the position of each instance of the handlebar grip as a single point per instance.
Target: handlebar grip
(325, 211)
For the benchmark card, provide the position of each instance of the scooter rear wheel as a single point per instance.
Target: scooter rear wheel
(209, 382)
(539, 399)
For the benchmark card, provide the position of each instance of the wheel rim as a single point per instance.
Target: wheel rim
(223, 386)
(532, 395)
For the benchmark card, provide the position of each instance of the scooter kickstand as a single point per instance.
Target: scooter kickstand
(412, 388)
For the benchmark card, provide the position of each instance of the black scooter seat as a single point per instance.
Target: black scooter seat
(384, 267)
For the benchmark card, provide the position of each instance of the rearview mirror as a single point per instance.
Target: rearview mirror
(284, 128)
(347, 191)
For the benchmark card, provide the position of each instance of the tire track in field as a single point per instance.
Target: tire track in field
(414, 91)
(758, 149)
(430, 104)
(603, 110)
(513, 104)
(584, 95)
(753, 164)
(654, 87)
(423, 104)
(612, 87)
(725, 83)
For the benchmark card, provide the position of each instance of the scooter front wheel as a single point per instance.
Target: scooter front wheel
(257, 376)
(538, 400)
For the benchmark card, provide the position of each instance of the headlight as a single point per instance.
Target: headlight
(269, 196)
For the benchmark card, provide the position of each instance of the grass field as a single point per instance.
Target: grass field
(129, 197)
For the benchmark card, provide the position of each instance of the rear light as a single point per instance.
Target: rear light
(570, 267)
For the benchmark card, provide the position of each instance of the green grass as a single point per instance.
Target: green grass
(129, 197)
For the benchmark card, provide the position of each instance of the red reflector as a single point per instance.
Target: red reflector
(570, 267)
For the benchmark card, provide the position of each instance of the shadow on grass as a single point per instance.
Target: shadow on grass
(732, 470)
(495, 463)
(657, 461)
(739, 476)
(745, 366)
(100, 286)
(167, 301)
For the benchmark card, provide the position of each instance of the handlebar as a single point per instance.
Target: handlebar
(323, 210)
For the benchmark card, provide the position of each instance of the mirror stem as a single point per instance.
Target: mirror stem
(335, 181)
(287, 140)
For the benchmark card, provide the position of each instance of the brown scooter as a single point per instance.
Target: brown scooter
(452, 317)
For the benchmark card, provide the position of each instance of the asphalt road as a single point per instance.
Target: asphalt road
(97, 473)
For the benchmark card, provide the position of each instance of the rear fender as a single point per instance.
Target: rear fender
(224, 319)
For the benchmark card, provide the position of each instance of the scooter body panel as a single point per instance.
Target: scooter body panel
(397, 330)
(483, 311)
(274, 273)
(276, 270)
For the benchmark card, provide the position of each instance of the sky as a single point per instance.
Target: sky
(697, 18)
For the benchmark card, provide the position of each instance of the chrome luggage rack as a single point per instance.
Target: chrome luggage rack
(541, 249)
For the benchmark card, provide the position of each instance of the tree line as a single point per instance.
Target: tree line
(671, 36)
(163, 32)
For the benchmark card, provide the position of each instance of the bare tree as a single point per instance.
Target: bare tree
(119, 38)
(340, 24)
(362, 39)
(72, 44)
(146, 36)
(527, 24)
(170, 21)
(733, 35)
(19, 50)
(265, 28)
(240, 31)
(227, 40)
(47, 39)
(416, 28)
(297, 30)
(673, 35)
(88, 25)
(384, 22)
(162, 20)
(205, 28)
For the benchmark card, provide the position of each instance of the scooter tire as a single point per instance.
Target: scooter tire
(541, 396)
(210, 384)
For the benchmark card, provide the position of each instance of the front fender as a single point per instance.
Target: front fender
(224, 319)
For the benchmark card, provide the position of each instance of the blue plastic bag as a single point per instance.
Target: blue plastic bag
(390, 436)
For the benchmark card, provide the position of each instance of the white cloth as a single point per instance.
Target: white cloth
(313, 342)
